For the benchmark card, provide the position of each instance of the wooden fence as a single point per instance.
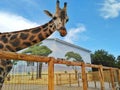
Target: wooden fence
(51, 61)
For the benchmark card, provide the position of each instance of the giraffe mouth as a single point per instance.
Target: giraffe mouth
(63, 31)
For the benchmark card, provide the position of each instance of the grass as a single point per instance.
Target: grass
(60, 78)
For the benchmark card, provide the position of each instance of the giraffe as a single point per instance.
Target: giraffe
(18, 40)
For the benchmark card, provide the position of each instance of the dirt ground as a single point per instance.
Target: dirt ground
(41, 87)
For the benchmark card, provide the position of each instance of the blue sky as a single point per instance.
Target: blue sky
(93, 24)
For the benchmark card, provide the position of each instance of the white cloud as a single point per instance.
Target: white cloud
(10, 22)
(110, 9)
(74, 34)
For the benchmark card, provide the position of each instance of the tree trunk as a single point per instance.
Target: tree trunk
(75, 69)
(76, 74)
(39, 70)
(32, 77)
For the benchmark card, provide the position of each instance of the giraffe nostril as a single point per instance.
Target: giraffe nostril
(63, 31)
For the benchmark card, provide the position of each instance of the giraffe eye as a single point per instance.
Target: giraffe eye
(54, 18)
(67, 20)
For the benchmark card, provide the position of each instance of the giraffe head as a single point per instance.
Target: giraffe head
(60, 18)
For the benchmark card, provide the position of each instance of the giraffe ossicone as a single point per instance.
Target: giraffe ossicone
(18, 40)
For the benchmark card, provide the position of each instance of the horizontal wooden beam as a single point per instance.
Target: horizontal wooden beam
(60, 61)
(92, 65)
(24, 57)
(97, 66)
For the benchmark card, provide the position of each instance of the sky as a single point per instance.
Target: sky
(93, 24)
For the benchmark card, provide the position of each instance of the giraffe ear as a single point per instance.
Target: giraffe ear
(48, 13)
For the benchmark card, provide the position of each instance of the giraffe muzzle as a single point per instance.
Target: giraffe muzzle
(63, 31)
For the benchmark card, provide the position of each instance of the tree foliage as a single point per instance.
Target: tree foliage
(118, 62)
(102, 57)
(38, 49)
(74, 56)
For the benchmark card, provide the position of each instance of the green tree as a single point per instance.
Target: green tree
(102, 57)
(74, 57)
(118, 62)
(40, 50)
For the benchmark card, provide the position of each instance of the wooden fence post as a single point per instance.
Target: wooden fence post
(118, 77)
(79, 79)
(60, 81)
(112, 78)
(57, 79)
(84, 77)
(51, 74)
(101, 77)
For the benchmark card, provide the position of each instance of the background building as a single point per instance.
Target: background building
(60, 48)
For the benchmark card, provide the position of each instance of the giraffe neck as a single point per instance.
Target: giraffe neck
(19, 40)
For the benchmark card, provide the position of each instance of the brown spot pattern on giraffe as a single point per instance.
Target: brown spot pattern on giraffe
(10, 48)
(18, 48)
(4, 39)
(15, 42)
(40, 36)
(27, 44)
(37, 30)
(1, 46)
(31, 38)
(14, 36)
(24, 36)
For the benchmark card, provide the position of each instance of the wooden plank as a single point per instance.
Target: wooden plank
(61, 61)
(24, 57)
(101, 77)
(51, 74)
(84, 77)
(112, 79)
(92, 65)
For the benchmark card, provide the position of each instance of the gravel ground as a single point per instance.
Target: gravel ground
(41, 87)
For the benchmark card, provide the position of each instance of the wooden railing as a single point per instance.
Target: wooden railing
(51, 61)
